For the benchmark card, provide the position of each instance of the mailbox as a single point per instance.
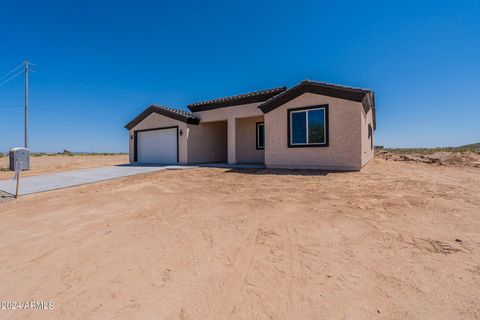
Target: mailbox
(19, 158)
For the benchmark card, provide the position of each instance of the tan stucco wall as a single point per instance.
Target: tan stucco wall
(207, 142)
(231, 133)
(156, 120)
(367, 150)
(344, 150)
(241, 111)
(246, 148)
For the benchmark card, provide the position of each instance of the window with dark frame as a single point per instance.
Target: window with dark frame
(260, 136)
(308, 127)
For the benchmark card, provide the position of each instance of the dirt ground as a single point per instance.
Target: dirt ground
(439, 158)
(57, 163)
(398, 240)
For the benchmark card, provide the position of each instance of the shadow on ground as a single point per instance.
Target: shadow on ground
(283, 172)
(5, 196)
(258, 169)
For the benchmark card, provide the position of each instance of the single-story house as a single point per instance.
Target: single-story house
(312, 125)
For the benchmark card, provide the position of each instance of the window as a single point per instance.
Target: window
(260, 135)
(308, 127)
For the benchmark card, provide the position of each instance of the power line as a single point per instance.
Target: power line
(11, 78)
(96, 86)
(10, 107)
(64, 112)
(85, 84)
(11, 71)
(76, 114)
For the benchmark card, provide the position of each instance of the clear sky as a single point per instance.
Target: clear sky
(100, 63)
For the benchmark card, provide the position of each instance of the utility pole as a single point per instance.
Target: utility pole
(26, 103)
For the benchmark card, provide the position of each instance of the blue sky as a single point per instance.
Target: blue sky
(102, 62)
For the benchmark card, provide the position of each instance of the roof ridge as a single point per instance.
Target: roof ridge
(308, 81)
(238, 96)
(322, 88)
(180, 111)
(176, 114)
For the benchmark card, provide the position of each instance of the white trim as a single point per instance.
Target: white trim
(306, 127)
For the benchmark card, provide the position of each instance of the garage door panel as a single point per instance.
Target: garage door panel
(157, 146)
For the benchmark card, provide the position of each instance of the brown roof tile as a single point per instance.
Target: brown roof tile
(251, 97)
(177, 114)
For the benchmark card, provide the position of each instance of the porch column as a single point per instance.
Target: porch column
(231, 140)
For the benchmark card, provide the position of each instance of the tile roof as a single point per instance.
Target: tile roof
(180, 112)
(177, 114)
(270, 98)
(251, 97)
(365, 96)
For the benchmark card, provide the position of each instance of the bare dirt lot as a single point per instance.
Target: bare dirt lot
(439, 158)
(58, 163)
(399, 240)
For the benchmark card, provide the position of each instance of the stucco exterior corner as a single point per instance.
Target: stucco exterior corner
(343, 151)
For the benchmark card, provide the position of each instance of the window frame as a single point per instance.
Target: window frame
(306, 109)
(257, 136)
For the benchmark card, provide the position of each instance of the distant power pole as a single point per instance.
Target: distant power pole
(26, 103)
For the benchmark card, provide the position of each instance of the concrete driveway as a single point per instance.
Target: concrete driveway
(72, 178)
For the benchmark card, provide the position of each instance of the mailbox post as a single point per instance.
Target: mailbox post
(19, 160)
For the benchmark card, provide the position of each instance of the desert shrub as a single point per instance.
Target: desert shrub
(472, 148)
(67, 152)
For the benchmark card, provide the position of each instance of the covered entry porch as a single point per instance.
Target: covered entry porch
(246, 140)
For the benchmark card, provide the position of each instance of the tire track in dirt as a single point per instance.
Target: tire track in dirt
(295, 296)
(235, 280)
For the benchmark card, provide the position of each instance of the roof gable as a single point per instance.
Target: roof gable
(246, 98)
(176, 114)
(365, 96)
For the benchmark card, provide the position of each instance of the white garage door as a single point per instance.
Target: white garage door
(157, 146)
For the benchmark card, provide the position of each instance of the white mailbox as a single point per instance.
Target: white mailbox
(19, 159)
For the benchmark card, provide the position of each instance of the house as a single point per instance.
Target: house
(312, 125)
